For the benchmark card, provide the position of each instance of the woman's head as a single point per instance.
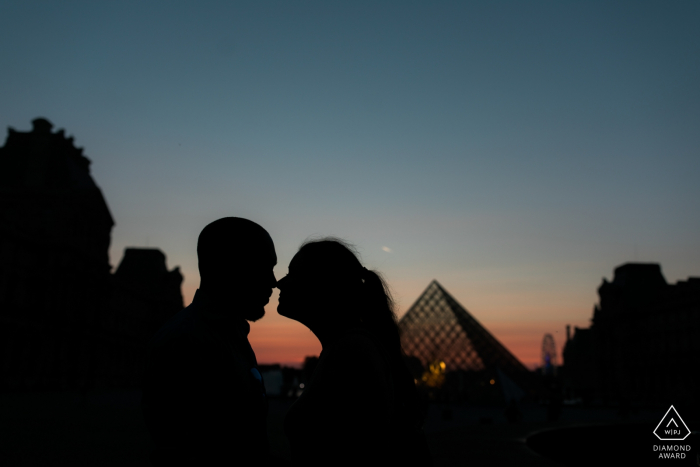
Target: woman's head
(327, 283)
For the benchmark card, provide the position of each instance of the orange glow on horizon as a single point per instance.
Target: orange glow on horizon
(276, 339)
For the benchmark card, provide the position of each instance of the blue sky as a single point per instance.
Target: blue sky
(515, 151)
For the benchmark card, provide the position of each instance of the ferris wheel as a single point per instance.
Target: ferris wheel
(549, 353)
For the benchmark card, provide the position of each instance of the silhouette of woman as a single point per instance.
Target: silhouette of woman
(361, 403)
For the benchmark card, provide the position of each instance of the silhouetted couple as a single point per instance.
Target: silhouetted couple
(204, 400)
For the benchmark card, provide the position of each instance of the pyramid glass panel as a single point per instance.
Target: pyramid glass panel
(438, 328)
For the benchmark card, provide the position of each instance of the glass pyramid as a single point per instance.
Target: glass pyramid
(438, 329)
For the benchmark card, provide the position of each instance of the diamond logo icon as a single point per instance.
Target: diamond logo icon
(671, 427)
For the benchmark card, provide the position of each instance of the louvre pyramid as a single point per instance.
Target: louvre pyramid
(437, 327)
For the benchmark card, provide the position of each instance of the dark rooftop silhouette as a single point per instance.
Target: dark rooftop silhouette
(68, 322)
(642, 345)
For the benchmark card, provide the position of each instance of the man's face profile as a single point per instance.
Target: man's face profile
(254, 282)
(236, 262)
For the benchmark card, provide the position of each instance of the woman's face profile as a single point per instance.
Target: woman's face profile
(299, 289)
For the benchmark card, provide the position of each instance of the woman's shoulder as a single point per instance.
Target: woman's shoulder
(359, 348)
(359, 339)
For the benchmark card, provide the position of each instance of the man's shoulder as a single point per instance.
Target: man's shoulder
(185, 331)
(188, 332)
(180, 327)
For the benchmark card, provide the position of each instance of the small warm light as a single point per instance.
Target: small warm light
(493, 381)
(302, 384)
(435, 375)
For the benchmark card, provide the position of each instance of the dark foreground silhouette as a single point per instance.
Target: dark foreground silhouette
(203, 398)
(361, 404)
(66, 322)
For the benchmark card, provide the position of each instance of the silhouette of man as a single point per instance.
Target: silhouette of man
(203, 398)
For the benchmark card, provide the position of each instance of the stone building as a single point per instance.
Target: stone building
(143, 296)
(642, 347)
(63, 314)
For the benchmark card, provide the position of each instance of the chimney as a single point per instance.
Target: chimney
(568, 332)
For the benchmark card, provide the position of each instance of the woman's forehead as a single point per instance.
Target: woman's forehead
(299, 261)
(317, 266)
(305, 262)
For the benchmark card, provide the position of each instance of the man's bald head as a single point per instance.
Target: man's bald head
(236, 258)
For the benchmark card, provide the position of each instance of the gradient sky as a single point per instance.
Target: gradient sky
(517, 152)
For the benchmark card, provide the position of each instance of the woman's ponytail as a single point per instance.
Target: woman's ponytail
(378, 313)
(365, 292)
(364, 298)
